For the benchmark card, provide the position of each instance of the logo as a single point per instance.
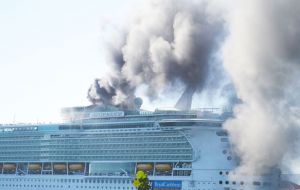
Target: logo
(167, 184)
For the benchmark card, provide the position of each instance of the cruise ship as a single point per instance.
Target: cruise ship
(102, 148)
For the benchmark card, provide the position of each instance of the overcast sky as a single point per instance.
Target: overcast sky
(50, 52)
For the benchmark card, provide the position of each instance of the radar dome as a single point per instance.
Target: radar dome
(138, 102)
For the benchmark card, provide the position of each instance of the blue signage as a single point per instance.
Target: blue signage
(166, 184)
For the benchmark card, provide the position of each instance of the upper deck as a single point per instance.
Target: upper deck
(108, 119)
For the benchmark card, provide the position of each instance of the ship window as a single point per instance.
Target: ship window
(266, 184)
(190, 123)
(224, 139)
(222, 133)
(256, 183)
(220, 182)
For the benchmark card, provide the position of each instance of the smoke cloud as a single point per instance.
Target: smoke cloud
(262, 55)
(115, 91)
(170, 43)
(174, 43)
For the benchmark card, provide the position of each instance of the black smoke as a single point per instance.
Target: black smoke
(169, 43)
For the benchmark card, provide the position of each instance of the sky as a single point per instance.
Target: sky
(50, 53)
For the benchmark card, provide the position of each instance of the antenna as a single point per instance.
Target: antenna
(14, 118)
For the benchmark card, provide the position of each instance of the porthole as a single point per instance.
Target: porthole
(256, 183)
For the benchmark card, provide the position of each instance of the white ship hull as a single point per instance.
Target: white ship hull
(9, 182)
(177, 150)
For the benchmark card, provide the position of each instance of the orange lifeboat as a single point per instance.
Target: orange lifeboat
(144, 166)
(163, 167)
(35, 166)
(59, 166)
(9, 166)
(76, 167)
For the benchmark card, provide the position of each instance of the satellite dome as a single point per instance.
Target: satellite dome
(138, 102)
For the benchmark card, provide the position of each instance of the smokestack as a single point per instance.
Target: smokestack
(185, 101)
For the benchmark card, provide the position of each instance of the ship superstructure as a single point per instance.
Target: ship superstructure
(103, 148)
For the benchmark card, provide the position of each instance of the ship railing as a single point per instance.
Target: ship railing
(212, 110)
(123, 173)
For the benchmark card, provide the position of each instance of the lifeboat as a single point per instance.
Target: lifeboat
(144, 166)
(163, 167)
(35, 166)
(59, 166)
(76, 167)
(9, 166)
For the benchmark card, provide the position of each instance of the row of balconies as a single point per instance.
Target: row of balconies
(129, 157)
(96, 140)
(99, 152)
(97, 146)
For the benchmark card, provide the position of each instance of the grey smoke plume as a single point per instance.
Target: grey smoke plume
(101, 92)
(112, 92)
(170, 43)
(262, 55)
